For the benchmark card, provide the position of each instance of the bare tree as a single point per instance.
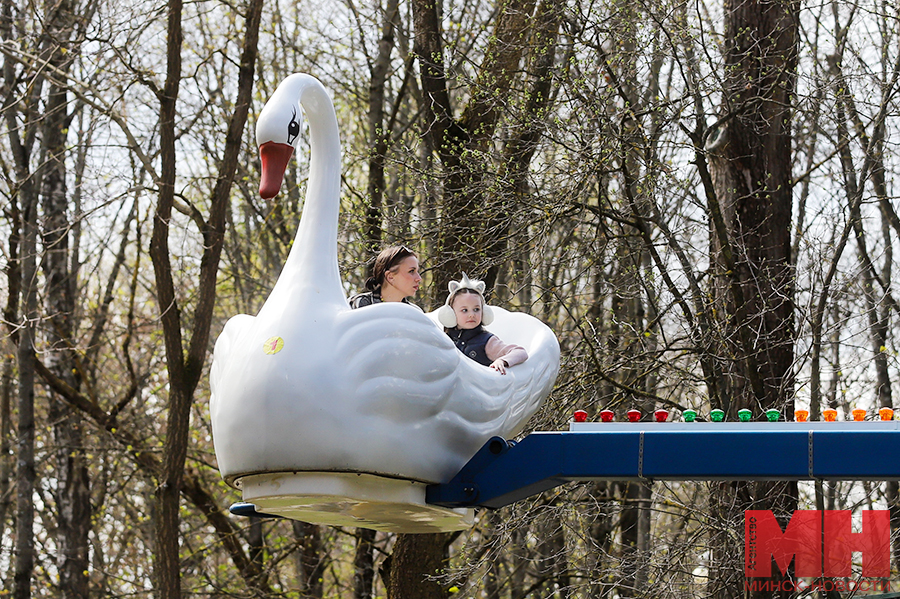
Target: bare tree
(61, 40)
(185, 364)
(467, 227)
(16, 106)
(749, 202)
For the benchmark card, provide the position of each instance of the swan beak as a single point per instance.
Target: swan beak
(274, 157)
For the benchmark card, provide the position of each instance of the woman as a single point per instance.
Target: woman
(394, 278)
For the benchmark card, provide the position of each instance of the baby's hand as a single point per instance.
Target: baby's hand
(499, 365)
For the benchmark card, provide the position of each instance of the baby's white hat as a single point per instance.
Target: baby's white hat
(446, 315)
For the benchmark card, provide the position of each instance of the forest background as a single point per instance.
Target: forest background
(698, 197)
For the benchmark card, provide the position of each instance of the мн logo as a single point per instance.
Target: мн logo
(820, 542)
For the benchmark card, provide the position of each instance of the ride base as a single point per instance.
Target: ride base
(349, 499)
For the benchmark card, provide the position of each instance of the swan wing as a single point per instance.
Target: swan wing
(408, 370)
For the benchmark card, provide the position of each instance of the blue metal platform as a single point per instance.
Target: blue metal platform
(502, 472)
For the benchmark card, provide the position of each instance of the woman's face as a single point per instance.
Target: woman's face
(467, 307)
(404, 278)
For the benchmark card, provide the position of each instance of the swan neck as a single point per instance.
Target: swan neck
(312, 265)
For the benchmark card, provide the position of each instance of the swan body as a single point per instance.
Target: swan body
(340, 416)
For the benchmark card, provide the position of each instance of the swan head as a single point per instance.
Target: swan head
(277, 134)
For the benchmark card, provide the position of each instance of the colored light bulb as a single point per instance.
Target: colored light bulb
(859, 414)
(634, 415)
(580, 416)
(886, 414)
(717, 415)
(801, 415)
(689, 415)
(745, 415)
(830, 415)
(607, 415)
(661, 415)
(773, 415)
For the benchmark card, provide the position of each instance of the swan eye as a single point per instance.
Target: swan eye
(293, 128)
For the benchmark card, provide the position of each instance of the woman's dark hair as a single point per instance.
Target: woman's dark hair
(388, 259)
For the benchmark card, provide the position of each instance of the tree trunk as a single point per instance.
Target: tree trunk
(364, 564)
(514, 190)
(496, 556)
(25, 468)
(750, 220)
(73, 495)
(311, 560)
(751, 213)
(635, 526)
(166, 558)
(7, 382)
(601, 539)
(6, 387)
(415, 559)
(379, 128)
(256, 542)
(21, 275)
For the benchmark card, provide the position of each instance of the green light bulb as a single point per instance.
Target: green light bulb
(717, 415)
(745, 415)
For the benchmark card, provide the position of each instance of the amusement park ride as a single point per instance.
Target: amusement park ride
(373, 418)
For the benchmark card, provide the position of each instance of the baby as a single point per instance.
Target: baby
(463, 317)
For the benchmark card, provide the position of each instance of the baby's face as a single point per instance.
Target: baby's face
(467, 307)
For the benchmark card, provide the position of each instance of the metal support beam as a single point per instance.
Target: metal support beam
(502, 472)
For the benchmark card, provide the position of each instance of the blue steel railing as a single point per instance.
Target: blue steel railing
(502, 472)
